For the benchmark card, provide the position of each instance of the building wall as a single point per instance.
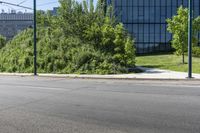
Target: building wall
(146, 21)
(11, 24)
(54, 11)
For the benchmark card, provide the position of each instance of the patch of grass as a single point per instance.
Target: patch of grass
(169, 62)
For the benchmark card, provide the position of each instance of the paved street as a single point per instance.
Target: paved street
(56, 105)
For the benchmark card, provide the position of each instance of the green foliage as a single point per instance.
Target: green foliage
(178, 26)
(112, 39)
(196, 51)
(129, 52)
(79, 39)
(2, 41)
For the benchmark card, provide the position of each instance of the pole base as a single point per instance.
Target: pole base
(35, 74)
(189, 77)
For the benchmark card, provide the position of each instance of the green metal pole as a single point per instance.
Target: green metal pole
(35, 39)
(190, 40)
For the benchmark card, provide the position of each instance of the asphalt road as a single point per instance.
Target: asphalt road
(56, 105)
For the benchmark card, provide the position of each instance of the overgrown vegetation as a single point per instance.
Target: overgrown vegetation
(2, 41)
(178, 26)
(80, 39)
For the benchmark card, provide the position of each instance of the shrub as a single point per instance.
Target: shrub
(196, 51)
(2, 41)
(85, 42)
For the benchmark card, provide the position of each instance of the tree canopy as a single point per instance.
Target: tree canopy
(178, 26)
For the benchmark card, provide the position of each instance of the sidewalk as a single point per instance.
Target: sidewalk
(149, 73)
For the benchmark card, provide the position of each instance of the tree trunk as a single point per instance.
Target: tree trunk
(183, 57)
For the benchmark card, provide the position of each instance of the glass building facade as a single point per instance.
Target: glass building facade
(146, 21)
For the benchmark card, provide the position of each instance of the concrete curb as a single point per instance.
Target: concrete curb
(107, 77)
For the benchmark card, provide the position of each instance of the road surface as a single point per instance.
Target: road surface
(57, 105)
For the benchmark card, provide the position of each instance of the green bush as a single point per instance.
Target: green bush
(85, 42)
(196, 51)
(2, 41)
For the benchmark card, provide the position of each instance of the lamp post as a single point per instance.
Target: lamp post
(190, 40)
(35, 39)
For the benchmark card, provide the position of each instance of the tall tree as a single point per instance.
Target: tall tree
(178, 26)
